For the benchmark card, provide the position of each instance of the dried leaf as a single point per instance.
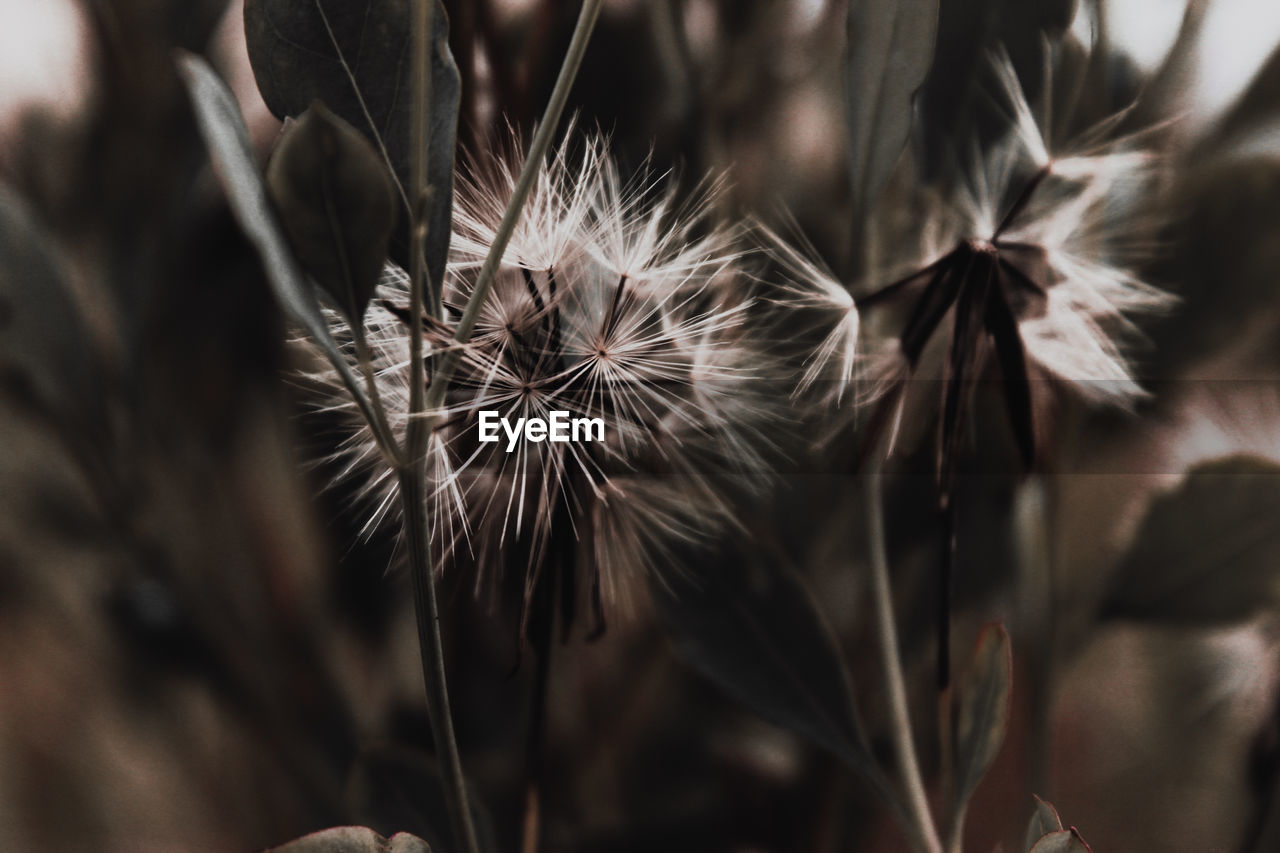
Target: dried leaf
(982, 712)
(337, 205)
(356, 57)
(889, 51)
(1207, 553)
(1044, 820)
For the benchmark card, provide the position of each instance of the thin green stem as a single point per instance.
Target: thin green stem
(426, 609)
(923, 829)
(412, 472)
(449, 360)
(379, 425)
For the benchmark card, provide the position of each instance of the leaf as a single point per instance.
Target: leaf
(1044, 820)
(889, 51)
(356, 57)
(1221, 262)
(337, 204)
(1258, 105)
(1066, 841)
(982, 712)
(353, 839)
(224, 133)
(953, 108)
(752, 628)
(1207, 553)
(44, 351)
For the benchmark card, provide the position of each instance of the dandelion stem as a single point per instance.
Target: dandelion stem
(426, 609)
(923, 829)
(537, 151)
(946, 591)
(380, 427)
(540, 631)
(412, 473)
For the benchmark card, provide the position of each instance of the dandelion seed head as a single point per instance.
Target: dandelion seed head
(616, 301)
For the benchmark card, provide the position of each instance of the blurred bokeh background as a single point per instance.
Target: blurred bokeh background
(199, 652)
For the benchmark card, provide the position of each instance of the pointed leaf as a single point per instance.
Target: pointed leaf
(357, 58)
(337, 205)
(1066, 841)
(1044, 820)
(353, 839)
(983, 711)
(1207, 553)
(889, 51)
(224, 133)
(753, 629)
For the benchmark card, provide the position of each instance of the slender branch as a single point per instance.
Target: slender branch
(380, 426)
(426, 609)
(923, 829)
(412, 474)
(537, 151)
(946, 591)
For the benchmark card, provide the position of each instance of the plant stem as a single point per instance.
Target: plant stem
(923, 829)
(379, 426)
(426, 609)
(541, 630)
(946, 586)
(412, 473)
(533, 163)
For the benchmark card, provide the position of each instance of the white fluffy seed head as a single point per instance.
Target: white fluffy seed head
(1080, 234)
(613, 301)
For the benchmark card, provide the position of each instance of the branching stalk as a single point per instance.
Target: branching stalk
(412, 473)
(923, 829)
(448, 362)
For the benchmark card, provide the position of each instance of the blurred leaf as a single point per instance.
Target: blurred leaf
(337, 205)
(1166, 92)
(953, 112)
(353, 839)
(356, 57)
(1221, 262)
(1259, 104)
(1207, 553)
(1044, 820)
(1066, 841)
(43, 342)
(753, 629)
(982, 712)
(889, 50)
(224, 132)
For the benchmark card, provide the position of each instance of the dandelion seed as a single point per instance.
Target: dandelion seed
(1037, 280)
(613, 301)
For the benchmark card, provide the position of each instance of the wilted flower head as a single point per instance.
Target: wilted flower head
(613, 302)
(1030, 267)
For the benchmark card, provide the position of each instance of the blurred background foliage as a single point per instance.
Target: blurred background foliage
(199, 652)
